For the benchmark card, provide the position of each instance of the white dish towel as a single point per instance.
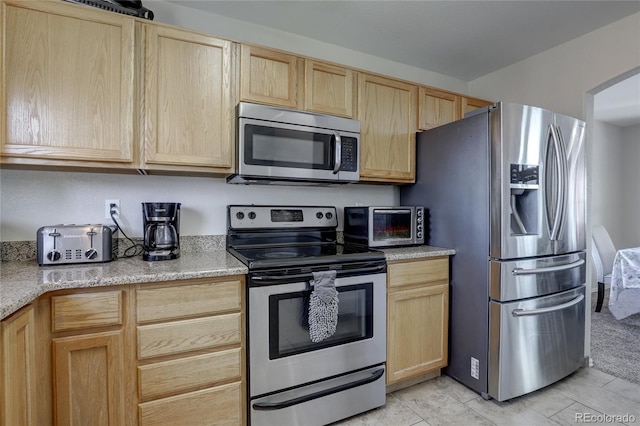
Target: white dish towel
(323, 306)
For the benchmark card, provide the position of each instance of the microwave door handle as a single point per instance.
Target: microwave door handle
(338, 153)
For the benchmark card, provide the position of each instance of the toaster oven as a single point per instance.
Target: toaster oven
(384, 226)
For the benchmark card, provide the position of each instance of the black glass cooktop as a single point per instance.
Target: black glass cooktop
(292, 255)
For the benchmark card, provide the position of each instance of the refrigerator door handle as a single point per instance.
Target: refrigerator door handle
(559, 164)
(564, 175)
(533, 271)
(524, 312)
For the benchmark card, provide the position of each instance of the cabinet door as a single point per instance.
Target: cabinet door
(387, 111)
(329, 89)
(437, 108)
(416, 331)
(214, 406)
(67, 85)
(188, 109)
(177, 337)
(470, 104)
(89, 379)
(270, 77)
(18, 378)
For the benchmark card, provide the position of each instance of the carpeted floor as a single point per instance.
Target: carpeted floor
(615, 344)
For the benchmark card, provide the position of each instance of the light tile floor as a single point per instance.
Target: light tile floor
(586, 396)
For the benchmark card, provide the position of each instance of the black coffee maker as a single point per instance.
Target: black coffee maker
(161, 225)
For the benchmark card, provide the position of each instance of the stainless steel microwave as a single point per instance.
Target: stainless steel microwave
(385, 226)
(277, 145)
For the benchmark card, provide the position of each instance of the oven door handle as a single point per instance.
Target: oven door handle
(301, 277)
(269, 406)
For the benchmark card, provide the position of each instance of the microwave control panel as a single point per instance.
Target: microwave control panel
(349, 154)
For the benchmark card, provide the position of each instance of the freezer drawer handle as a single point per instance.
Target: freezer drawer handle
(524, 312)
(521, 271)
(266, 406)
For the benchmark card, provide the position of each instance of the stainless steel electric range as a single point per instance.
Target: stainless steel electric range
(292, 379)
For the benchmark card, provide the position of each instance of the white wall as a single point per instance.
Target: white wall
(31, 199)
(615, 177)
(630, 141)
(559, 78)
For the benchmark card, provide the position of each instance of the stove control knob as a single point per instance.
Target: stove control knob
(329, 215)
(91, 253)
(54, 255)
(319, 215)
(240, 215)
(252, 215)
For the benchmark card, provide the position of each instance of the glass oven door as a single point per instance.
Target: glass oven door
(281, 353)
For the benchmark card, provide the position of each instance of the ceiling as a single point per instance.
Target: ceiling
(461, 39)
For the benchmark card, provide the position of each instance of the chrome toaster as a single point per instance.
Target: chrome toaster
(60, 244)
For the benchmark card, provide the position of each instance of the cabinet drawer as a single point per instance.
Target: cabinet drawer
(76, 311)
(188, 300)
(188, 335)
(418, 272)
(180, 375)
(214, 406)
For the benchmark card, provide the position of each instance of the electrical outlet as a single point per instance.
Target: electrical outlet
(108, 206)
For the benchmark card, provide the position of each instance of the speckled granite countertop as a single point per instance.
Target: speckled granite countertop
(416, 252)
(21, 282)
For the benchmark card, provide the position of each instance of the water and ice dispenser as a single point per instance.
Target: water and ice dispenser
(525, 199)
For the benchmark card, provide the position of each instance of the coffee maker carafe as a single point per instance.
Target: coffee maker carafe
(161, 225)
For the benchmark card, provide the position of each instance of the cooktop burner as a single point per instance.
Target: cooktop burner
(278, 254)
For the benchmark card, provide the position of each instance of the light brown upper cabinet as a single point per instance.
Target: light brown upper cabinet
(387, 110)
(329, 89)
(67, 85)
(188, 101)
(436, 108)
(469, 104)
(270, 77)
(277, 78)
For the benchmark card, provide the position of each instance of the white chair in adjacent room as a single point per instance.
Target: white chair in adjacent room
(603, 253)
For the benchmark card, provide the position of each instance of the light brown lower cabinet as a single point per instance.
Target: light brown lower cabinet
(417, 318)
(18, 377)
(89, 379)
(213, 406)
(190, 353)
(89, 357)
(147, 354)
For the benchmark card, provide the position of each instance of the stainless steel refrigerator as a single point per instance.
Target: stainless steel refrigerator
(505, 187)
